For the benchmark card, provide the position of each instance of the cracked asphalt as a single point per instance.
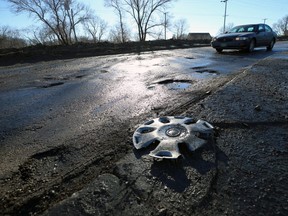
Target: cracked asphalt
(77, 158)
(243, 173)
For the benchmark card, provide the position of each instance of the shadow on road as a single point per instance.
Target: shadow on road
(177, 174)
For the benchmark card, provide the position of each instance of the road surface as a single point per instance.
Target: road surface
(65, 122)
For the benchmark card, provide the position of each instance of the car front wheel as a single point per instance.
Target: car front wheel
(251, 45)
(219, 50)
(271, 45)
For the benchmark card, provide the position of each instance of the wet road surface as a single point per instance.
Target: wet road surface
(59, 118)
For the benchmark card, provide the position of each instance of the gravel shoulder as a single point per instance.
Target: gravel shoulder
(243, 172)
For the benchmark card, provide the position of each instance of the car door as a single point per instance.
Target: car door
(269, 35)
(261, 36)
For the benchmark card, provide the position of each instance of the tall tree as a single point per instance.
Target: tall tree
(228, 27)
(96, 27)
(40, 35)
(60, 16)
(117, 35)
(145, 13)
(118, 7)
(180, 29)
(9, 38)
(281, 27)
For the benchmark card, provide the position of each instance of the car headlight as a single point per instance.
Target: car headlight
(241, 38)
(214, 39)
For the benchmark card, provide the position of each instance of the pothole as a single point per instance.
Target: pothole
(54, 78)
(199, 67)
(178, 85)
(52, 84)
(204, 69)
(80, 76)
(47, 164)
(172, 84)
(210, 71)
(104, 71)
(50, 78)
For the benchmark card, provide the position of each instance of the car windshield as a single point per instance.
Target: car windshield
(246, 28)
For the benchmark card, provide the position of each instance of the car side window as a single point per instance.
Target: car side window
(268, 29)
(261, 28)
(250, 29)
(241, 29)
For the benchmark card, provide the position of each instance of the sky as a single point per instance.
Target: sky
(201, 15)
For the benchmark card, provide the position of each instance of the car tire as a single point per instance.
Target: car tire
(271, 45)
(219, 50)
(251, 46)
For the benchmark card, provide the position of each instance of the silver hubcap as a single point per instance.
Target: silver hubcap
(173, 132)
(169, 132)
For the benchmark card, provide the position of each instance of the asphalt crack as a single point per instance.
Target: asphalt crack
(39, 191)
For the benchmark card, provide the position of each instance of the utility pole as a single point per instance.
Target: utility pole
(165, 25)
(225, 14)
(264, 20)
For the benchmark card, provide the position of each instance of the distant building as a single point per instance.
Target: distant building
(199, 36)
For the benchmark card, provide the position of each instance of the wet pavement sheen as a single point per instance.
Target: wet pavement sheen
(60, 117)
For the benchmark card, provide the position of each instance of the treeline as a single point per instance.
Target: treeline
(10, 38)
(64, 22)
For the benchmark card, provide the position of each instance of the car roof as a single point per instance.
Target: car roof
(252, 24)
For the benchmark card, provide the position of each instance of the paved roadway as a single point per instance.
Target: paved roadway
(60, 116)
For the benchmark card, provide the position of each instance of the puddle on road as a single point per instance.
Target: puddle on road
(203, 69)
(178, 86)
(210, 71)
(173, 84)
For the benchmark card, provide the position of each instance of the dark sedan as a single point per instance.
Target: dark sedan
(245, 37)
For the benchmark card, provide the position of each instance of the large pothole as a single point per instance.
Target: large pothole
(141, 185)
(173, 84)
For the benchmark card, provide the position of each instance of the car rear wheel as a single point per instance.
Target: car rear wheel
(271, 45)
(251, 45)
(219, 50)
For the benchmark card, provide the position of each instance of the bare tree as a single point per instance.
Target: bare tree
(145, 13)
(119, 35)
(9, 38)
(158, 33)
(228, 27)
(281, 27)
(39, 35)
(96, 27)
(118, 7)
(60, 16)
(180, 29)
(4, 30)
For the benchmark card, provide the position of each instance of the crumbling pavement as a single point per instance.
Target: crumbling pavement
(243, 173)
